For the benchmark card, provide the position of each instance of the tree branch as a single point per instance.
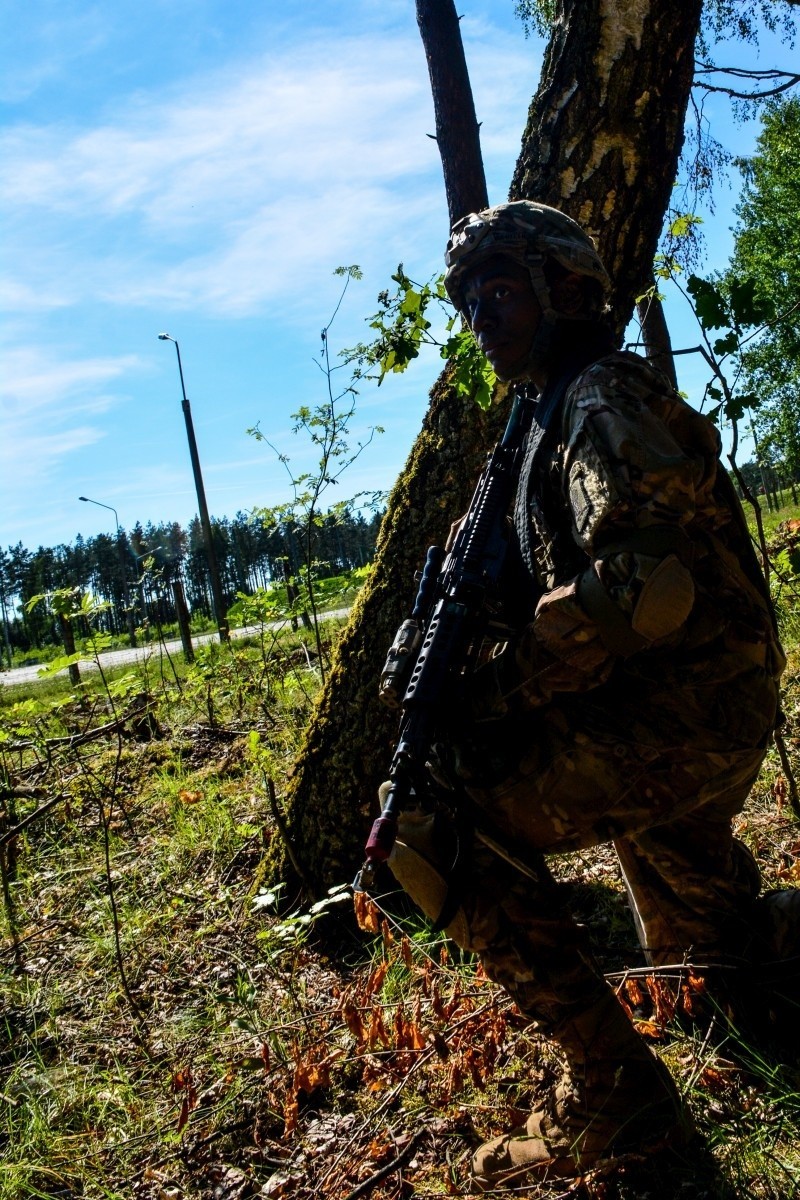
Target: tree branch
(788, 79)
(457, 129)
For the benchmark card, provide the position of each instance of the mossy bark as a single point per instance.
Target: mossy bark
(605, 128)
(602, 143)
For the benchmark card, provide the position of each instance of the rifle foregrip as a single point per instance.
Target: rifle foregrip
(426, 593)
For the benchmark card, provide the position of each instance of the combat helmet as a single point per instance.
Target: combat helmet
(529, 233)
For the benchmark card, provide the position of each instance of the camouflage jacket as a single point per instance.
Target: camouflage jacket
(647, 589)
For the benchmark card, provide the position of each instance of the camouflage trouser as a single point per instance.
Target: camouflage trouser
(668, 813)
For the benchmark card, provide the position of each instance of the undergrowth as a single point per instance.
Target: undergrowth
(172, 1028)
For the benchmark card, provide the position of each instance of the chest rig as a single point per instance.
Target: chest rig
(541, 516)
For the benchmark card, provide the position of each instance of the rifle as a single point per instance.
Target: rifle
(436, 646)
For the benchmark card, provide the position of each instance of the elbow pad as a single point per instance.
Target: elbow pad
(665, 600)
(664, 603)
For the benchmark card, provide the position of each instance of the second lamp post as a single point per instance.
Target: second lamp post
(205, 522)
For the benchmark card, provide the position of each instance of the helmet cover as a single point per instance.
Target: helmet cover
(529, 233)
(525, 231)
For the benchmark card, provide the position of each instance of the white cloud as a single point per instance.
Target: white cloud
(274, 167)
(34, 383)
(19, 297)
(50, 410)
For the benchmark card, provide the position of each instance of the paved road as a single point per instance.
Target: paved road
(118, 658)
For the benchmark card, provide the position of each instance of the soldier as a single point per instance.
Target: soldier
(634, 704)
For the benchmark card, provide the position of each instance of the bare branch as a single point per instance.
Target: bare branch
(783, 81)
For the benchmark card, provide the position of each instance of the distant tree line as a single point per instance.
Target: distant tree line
(138, 569)
(772, 483)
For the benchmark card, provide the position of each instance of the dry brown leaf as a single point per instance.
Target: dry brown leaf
(692, 990)
(400, 1029)
(417, 1037)
(455, 1080)
(291, 1114)
(379, 1148)
(183, 1081)
(309, 1075)
(634, 993)
(475, 1064)
(441, 1047)
(714, 1080)
(375, 981)
(377, 1029)
(367, 913)
(648, 1029)
(186, 797)
(663, 1000)
(351, 1015)
(373, 1077)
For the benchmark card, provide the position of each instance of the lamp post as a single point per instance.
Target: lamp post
(205, 522)
(126, 598)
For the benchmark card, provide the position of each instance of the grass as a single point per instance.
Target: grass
(168, 1033)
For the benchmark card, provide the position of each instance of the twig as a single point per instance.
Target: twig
(395, 1165)
(759, 520)
(78, 739)
(15, 830)
(791, 782)
(667, 970)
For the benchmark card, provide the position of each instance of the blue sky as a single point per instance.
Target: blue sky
(201, 168)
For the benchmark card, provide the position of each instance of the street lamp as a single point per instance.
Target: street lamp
(126, 598)
(205, 522)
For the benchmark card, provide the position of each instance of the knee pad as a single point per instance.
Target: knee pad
(422, 862)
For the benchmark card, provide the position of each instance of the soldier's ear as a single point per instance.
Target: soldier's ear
(568, 294)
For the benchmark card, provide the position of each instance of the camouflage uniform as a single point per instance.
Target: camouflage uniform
(637, 704)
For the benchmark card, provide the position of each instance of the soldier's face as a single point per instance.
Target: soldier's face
(503, 313)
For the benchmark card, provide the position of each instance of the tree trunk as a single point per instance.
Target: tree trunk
(605, 128)
(603, 140)
(68, 638)
(655, 334)
(457, 129)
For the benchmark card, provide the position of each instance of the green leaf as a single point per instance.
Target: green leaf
(412, 302)
(726, 345)
(709, 303)
(59, 664)
(683, 224)
(747, 307)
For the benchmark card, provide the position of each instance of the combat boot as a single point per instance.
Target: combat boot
(615, 1097)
